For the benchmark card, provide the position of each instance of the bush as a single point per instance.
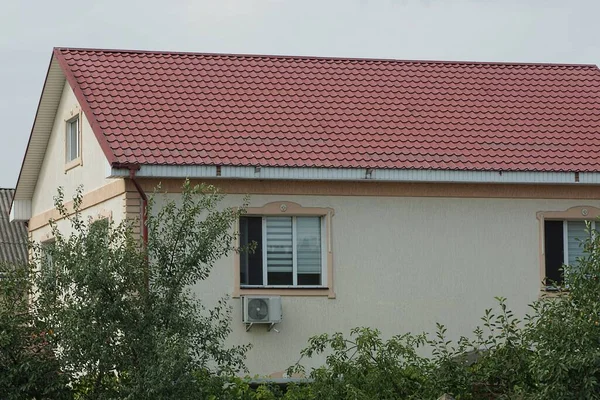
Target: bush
(125, 323)
(28, 367)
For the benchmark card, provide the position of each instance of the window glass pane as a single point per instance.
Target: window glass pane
(279, 250)
(244, 252)
(47, 261)
(308, 250)
(251, 262)
(68, 150)
(280, 278)
(74, 139)
(553, 251)
(309, 279)
(576, 232)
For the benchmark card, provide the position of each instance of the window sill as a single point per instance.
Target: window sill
(72, 164)
(546, 292)
(285, 291)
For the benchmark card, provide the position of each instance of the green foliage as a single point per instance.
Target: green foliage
(28, 368)
(125, 323)
(364, 365)
(566, 332)
(234, 388)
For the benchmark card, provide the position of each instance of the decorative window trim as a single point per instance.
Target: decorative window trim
(577, 213)
(281, 208)
(74, 114)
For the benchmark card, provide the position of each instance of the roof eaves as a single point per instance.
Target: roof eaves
(37, 112)
(363, 174)
(85, 107)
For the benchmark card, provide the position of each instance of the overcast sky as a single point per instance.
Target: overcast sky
(565, 31)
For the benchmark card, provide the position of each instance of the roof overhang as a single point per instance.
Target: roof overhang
(361, 174)
(38, 141)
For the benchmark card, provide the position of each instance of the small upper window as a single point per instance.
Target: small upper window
(73, 145)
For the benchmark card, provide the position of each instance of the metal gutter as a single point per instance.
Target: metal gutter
(362, 174)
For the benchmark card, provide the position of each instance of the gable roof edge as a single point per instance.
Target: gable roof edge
(330, 58)
(85, 107)
(38, 137)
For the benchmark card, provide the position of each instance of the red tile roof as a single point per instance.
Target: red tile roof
(211, 109)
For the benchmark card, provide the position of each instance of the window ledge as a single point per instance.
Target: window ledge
(546, 292)
(285, 291)
(72, 164)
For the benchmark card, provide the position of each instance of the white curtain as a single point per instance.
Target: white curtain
(576, 233)
(308, 244)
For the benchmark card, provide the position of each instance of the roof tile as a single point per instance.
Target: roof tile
(184, 109)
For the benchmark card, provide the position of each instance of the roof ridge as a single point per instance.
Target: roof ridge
(324, 58)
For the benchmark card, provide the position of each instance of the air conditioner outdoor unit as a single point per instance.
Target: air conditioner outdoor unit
(261, 310)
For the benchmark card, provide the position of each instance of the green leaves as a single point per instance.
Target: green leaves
(28, 368)
(124, 322)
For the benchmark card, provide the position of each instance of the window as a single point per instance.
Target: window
(563, 245)
(289, 251)
(72, 139)
(47, 255)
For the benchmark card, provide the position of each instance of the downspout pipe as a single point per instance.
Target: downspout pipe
(132, 171)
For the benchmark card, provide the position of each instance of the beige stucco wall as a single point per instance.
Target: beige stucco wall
(112, 208)
(92, 173)
(401, 264)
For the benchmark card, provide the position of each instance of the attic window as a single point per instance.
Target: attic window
(73, 147)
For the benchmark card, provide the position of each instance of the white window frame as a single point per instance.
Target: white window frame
(324, 269)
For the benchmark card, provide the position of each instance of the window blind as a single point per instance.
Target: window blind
(279, 244)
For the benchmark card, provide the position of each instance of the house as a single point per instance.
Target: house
(384, 193)
(13, 235)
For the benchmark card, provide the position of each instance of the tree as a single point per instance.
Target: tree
(124, 322)
(28, 368)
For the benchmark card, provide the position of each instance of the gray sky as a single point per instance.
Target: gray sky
(482, 30)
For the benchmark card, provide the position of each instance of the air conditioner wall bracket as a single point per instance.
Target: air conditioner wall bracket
(269, 328)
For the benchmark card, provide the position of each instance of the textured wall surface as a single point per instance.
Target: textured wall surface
(112, 208)
(402, 264)
(52, 175)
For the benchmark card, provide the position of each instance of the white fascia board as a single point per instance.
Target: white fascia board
(20, 210)
(360, 174)
(167, 171)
